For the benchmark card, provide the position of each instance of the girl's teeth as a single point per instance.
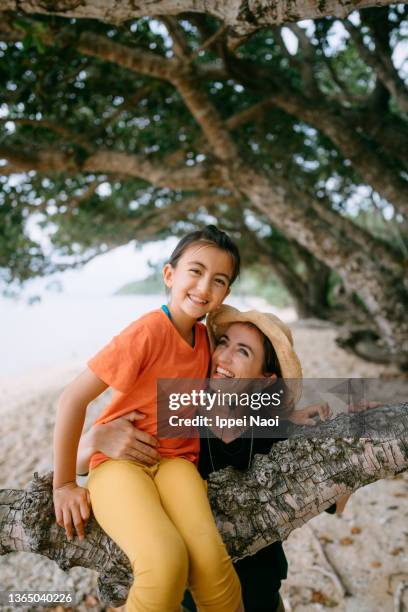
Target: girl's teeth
(201, 302)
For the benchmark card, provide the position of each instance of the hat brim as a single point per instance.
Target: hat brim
(272, 327)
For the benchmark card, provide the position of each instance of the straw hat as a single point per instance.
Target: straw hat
(272, 327)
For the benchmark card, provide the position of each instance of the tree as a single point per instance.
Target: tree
(244, 17)
(143, 127)
(281, 491)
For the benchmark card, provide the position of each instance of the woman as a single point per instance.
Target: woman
(245, 345)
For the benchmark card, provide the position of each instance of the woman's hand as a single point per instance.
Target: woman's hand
(120, 439)
(304, 416)
(72, 506)
(363, 405)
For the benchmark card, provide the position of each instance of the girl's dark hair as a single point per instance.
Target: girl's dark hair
(211, 235)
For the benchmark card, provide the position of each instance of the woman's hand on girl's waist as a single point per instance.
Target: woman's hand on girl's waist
(121, 439)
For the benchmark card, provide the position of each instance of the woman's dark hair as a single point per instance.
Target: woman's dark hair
(271, 366)
(271, 362)
(210, 235)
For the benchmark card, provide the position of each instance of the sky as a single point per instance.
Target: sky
(105, 274)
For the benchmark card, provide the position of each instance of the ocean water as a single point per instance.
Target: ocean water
(63, 328)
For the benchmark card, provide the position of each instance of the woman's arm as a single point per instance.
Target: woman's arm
(304, 416)
(118, 439)
(70, 501)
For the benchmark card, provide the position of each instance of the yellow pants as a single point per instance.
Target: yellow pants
(160, 517)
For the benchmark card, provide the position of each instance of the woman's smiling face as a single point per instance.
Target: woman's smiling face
(239, 353)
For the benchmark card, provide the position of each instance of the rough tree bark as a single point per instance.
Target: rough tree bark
(309, 290)
(243, 16)
(280, 492)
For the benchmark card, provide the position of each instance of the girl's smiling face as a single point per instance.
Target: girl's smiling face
(200, 281)
(239, 353)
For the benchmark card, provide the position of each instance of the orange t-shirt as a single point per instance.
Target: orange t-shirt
(148, 349)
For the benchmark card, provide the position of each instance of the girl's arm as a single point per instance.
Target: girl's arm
(70, 501)
(87, 447)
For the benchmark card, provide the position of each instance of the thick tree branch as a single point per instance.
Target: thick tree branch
(142, 62)
(388, 131)
(249, 114)
(187, 80)
(51, 160)
(180, 44)
(306, 63)
(200, 176)
(44, 160)
(243, 16)
(346, 96)
(211, 40)
(252, 113)
(382, 66)
(149, 224)
(375, 169)
(136, 60)
(372, 168)
(206, 116)
(361, 238)
(182, 76)
(285, 268)
(281, 491)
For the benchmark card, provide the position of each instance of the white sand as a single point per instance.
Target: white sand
(371, 562)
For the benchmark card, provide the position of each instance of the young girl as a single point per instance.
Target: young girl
(159, 515)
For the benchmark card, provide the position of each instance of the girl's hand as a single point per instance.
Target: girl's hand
(119, 439)
(72, 506)
(304, 416)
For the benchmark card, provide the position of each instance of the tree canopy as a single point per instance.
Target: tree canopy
(289, 135)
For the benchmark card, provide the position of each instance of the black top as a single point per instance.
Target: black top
(261, 573)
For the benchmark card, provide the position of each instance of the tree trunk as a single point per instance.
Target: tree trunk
(312, 295)
(383, 292)
(309, 293)
(281, 491)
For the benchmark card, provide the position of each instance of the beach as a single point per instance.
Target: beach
(367, 545)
